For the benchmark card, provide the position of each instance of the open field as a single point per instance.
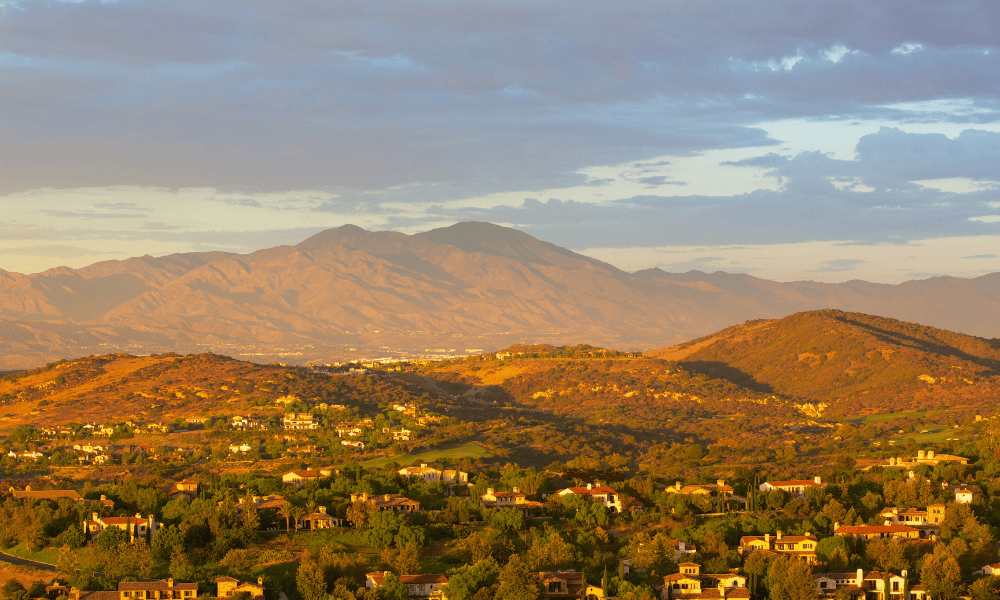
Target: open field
(466, 450)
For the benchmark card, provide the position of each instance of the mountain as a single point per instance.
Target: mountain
(349, 293)
(849, 363)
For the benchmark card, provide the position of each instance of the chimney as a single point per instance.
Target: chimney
(138, 517)
(27, 488)
(903, 574)
(517, 490)
(892, 461)
(423, 465)
(920, 454)
(260, 581)
(103, 497)
(930, 454)
(322, 509)
(489, 491)
(590, 486)
(95, 517)
(767, 538)
(836, 526)
(170, 582)
(677, 484)
(818, 480)
(721, 482)
(861, 578)
(778, 536)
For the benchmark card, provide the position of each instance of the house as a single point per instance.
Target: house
(29, 494)
(147, 590)
(424, 586)
(689, 582)
(428, 474)
(297, 478)
(136, 527)
(923, 457)
(394, 502)
(562, 584)
(240, 448)
(353, 444)
(914, 517)
(295, 421)
(26, 455)
(988, 570)
(227, 587)
(964, 493)
(273, 501)
(611, 499)
(186, 489)
(799, 546)
(719, 488)
(796, 487)
(90, 448)
(319, 520)
(869, 584)
(502, 499)
(871, 532)
(453, 476)
(247, 424)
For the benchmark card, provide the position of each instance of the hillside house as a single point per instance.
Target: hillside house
(272, 501)
(914, 517)
(136, 527)
(299, 421)
(719, 488)
(611, 499)
(799, 546)
(964, 493)
(25, 455)
(795, 487)
(454, 476)
(227, 587)
(240, 448)
(690, 582)
(988, 570)
(428, 474)
(425, 586)
(502, 499)
(398, 435)
(297, 478)
(319, 520)
(870, 584)
(353, 444)
(393, 502)
(562, 584)
(186, 489)
(242, 423)
(871, 532)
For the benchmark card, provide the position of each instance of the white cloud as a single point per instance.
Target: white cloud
(907, 48)
(837, 53)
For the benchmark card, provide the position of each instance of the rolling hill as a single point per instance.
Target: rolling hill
(347, 293)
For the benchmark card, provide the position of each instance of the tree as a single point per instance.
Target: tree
(550, 554)
(469, 579)
(164, 541)
(358, 513)
(886, 554)
(940, 574)
(790, 579)
(408, 560)
(309, 580)
(518, 582)
(985, 588)
(382, 529)
(111, 538)
(509, 518)
(755, 567)
(392, 589)
(286, 512)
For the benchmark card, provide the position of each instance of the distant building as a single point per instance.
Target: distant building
(393, 502)
(227, 587)
(795, 487)
(600, 494)
(296, 421)
(136, 527)
(870, 532)
(428, 474)
(799, 546)
(297, 478)
(689, 582)
(502, 499)
(454, 476)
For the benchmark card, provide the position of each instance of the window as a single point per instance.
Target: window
(555, 587)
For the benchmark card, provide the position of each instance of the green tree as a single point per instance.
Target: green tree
(392, 589)
(164, 541)
(985, 588)
(518, 582)
(509, 518)
(408, 560)
(469, 579)
(309, 580)
(111, 538)
(940, 575)
(886, 554)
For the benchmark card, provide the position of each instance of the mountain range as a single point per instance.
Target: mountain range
(348, 293)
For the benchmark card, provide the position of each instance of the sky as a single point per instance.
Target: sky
(790, 140)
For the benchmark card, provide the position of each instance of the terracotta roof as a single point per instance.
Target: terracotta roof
(417, 579)
(377, 576)
(154, 585)
(121, 521)
(793, 482)
(869, 529)
(102, 595)
(226, 579)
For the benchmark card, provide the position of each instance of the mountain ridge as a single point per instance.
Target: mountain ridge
(350, 293)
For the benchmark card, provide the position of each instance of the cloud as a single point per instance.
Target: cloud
(983, 256)
(54, 251)
(658, 180)
(839, 265)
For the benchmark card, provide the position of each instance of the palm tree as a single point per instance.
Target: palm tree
(286, 511)
(297, 513)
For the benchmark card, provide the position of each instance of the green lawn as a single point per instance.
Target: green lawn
(466, 450)
(45, 555)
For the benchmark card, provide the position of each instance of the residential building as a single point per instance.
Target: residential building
(689, 582)
(869, 584)
(502, 499)
(297, 478)
(599, 493)
(186, 489)
(964, 493)
(272, 501)
(296, 421)
(319, 520)
(870, 532)
(702, 489)
(799, 546)
(988, 570)
(240, 448)
(26, 455)
(227, 587)
(428, 474)
(454, 476)
(394, 502)
(136, 527)
(914, 517)
(424, 586)
(562, 584)
(353, 444)
(796, 487)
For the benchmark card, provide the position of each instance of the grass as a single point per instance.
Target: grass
(45, 555)
(466, 450)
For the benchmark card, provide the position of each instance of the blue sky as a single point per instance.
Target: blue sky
(789, 140)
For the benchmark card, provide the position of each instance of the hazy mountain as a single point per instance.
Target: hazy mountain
(348, 293)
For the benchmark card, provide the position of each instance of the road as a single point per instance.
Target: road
(26, 563)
